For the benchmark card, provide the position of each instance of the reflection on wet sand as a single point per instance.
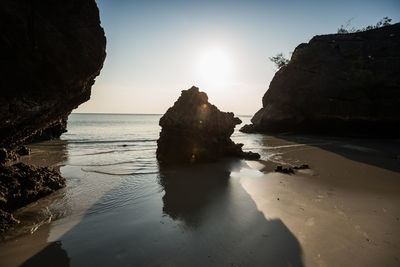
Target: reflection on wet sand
(228, 226)
(202, 218)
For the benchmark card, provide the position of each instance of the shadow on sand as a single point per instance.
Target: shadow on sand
(382, 153)
(52, 255)
(202, 216)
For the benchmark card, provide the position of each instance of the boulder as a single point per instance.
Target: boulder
(337, 84)
(193, 130)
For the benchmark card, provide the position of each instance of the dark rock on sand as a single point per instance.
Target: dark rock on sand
(21, 184)
(290, 170)
(7, 155)
(6, 220)
(22, 151)
(193, 130)
(301, 167)
(50, 54)
(281, 169)
(344, 84)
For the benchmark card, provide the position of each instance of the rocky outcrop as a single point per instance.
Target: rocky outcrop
(193, 130)
(345, 84)
(50, 54)
(21, 184)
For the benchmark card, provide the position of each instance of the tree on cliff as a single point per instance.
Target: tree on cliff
(382, 23)
(280, 60)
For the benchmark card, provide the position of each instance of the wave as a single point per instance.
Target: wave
(113, 151)
(120, 174)
(296, 145)
(101, 165)
(140, 164)
(83, 141)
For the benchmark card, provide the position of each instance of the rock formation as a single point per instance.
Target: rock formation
(193, 130)
(345, 84)
(50, 54)
(21, 184)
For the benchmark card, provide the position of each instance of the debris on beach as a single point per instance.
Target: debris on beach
(290, 170)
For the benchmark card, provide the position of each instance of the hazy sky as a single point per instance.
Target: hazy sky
(155, 49)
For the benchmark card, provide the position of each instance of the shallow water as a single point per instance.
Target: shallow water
(121, 209)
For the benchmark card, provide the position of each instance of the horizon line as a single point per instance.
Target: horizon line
(111, 113)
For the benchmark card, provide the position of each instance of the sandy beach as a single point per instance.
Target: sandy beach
(343, 211)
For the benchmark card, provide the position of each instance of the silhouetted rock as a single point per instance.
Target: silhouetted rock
(193, 130)
(51, 52)
(21, 184)
(345, 84)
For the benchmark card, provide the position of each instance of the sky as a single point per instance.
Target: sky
(156, 49)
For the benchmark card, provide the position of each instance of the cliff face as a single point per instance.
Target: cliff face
(337, 84)
(193, 130)
(50, 54)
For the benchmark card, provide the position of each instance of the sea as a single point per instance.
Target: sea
(120, 208)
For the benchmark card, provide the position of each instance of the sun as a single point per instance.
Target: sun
(214, 67)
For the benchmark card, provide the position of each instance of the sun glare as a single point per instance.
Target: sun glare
(214, 67)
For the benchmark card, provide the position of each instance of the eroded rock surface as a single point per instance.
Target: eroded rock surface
(193, 130)
(345, 84)
(21, 184)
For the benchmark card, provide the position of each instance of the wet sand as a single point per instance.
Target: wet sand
(343, 211)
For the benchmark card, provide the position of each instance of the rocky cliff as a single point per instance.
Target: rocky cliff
(345, 84)
(193, 130)
(50, 53)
